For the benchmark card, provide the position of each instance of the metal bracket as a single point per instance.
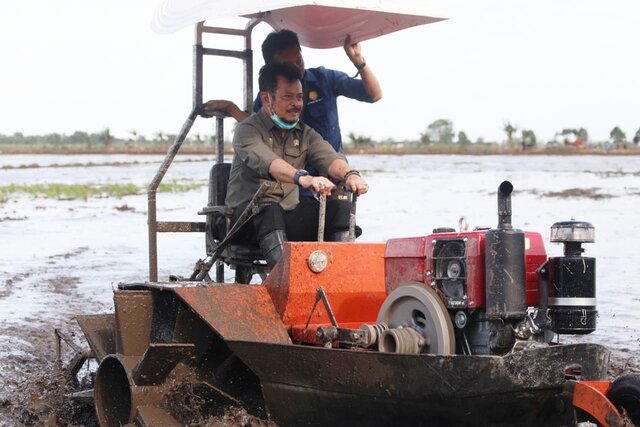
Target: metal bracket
(202, 267)
(320, 295)
(81, 355)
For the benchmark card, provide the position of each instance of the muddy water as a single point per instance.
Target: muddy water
(59, 258)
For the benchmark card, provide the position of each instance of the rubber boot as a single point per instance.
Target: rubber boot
(338, 236)
(271, 246)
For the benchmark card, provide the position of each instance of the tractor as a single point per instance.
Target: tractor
(452, 328)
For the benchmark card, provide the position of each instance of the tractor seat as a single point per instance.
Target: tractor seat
(247, 260)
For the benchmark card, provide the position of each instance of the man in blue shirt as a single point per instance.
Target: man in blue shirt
(321, 88)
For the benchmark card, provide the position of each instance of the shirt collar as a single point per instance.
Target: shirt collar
(309, 76)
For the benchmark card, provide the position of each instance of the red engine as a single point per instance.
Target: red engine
(495, 287)
(454, 264)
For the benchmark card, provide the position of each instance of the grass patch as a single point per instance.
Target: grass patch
(85, 191)
(177, 187)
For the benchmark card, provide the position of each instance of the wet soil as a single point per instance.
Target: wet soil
(34, 391)
(36, 388)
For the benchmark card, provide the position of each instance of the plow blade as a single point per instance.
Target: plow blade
(134, 311)
(324, 386)
(99, 331)
(164, 337)
(158, 361)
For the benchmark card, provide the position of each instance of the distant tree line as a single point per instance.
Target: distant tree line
(442, 132)
(103, 139)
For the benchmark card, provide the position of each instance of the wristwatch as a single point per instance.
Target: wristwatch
(298, 174)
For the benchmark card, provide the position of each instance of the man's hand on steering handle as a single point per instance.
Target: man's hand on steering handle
(319, 184)
(357, 184)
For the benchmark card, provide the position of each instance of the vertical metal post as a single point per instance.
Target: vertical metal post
(198, 54)
(248, 66)
(219, 160)
(321, 217)
(352, 218)
(153, 235)
(219, 140)
(151, 194)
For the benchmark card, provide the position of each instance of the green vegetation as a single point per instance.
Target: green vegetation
(84, 191)
(617, 135)
(359, 141)
(438, 132)
(441, 137)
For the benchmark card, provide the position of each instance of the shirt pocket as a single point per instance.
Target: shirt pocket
(316, 109)
(296, 155)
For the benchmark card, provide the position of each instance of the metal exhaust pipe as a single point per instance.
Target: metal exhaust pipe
(505, 272)
(504, 205)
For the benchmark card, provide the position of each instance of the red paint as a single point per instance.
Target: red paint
(410, 259)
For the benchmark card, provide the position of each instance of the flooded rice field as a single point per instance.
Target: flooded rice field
(62, 255)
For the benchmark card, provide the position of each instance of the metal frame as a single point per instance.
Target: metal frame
(199, 51)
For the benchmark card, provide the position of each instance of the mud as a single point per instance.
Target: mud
(34, 391)
(36, 388)
(195, 405)
(13, 218)
(573, 193)
(8, 284)
(125, 208)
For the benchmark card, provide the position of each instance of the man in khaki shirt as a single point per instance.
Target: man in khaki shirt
(273, 145)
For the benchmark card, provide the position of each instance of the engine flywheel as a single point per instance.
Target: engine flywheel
(417, 306)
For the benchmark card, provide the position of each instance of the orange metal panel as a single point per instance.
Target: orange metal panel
(588, 396)
(602, 386)
(237, 312)
(353, 281)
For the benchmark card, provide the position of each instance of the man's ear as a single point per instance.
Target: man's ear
(264, 98)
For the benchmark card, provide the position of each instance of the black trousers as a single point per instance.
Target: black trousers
(299, 224)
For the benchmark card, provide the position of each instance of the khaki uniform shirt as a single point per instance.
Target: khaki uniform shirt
(256, 143)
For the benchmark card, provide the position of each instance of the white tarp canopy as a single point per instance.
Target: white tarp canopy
(319, 24)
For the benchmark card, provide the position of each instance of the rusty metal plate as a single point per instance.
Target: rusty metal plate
(99, 331)
(133, 310)
(158, 361)
(237, 312)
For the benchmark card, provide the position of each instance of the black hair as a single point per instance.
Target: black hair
(278, 41)
(268, 77)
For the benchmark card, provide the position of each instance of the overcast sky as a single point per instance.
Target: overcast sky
(542, 64)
